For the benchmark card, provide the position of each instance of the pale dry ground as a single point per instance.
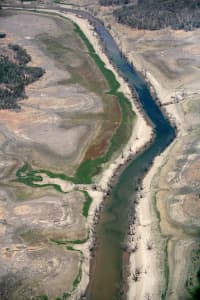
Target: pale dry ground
(45, 133)
(31, 263)
(140, 136)
(57, 138)
(48, 215)
(170, 61)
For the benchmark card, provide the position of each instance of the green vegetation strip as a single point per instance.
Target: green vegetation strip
(89, 168)
(73, 242)
(87, 203)
(45, 297)
(28, 176)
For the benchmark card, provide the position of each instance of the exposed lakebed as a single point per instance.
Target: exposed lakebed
(106, 278)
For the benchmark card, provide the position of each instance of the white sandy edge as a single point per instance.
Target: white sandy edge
(141, 135)
(151, 280)
(164, 95)
(150, 283)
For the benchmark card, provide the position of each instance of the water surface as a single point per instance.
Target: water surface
(106, 278)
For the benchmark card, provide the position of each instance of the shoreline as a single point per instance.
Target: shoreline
(145, 256)
(142, 135)
(140, 129)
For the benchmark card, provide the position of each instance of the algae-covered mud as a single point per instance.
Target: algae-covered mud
(72, 122)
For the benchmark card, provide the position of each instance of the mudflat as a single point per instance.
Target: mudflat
(66, 118)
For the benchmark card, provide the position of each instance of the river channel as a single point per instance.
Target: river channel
(106, 276)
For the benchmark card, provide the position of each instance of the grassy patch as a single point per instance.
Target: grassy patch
(87, 203)
(77, 280)
(28, 176)
(65, 242)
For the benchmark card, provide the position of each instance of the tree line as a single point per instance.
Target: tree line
(156, 14)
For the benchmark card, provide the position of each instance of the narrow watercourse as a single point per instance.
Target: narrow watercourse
(107, 271)
(107, 266)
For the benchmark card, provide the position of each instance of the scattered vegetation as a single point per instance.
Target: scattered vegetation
(136, 274)
(14, 76)
(78, 278)
(156, 14)
(21, 55)
(44, 297)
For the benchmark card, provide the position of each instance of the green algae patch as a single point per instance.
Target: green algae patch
(91, 167)
(77, 280)
(108, 74)
(87, 203)
(30, 177)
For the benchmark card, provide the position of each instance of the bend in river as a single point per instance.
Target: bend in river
(106, 278)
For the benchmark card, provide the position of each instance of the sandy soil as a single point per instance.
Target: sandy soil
(58, 130)
(169, 60)
(43, 116)
(49, 132)
(141, 133)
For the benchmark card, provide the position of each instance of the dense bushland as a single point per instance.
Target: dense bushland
(14, 76)
(156, 14)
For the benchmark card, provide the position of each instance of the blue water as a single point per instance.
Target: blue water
(106, 277)
(106, 280)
